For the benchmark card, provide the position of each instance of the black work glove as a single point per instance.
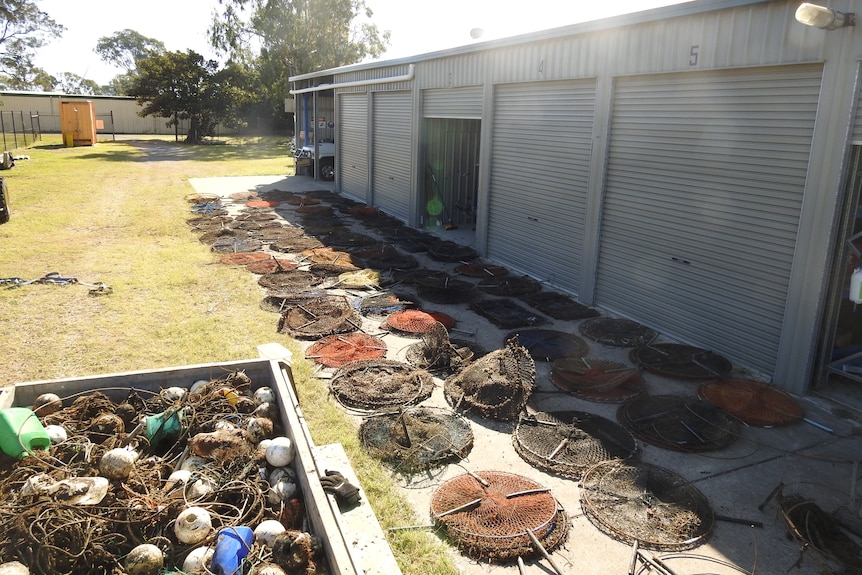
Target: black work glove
(346, 494)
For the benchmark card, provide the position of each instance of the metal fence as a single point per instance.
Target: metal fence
(20, 129)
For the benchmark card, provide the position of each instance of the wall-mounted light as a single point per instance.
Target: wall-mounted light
(823, 17)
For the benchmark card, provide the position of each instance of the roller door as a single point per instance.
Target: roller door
(540, 165)
(352, 147)
(704, 189)
(393, 150)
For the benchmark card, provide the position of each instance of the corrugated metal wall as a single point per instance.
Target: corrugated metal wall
(351, 168)
(759, 34)
(465, 102)
(704, 190)
(735, 228)
(392, 155)
(120, 114)
(540, 170)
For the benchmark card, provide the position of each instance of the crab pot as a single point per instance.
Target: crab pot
(274, 374)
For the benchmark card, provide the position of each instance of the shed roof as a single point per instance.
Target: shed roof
(654, 14)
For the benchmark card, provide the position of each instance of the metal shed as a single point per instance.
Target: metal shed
(693, 167)
(119, 114)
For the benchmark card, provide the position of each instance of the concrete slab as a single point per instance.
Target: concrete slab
(820, 456)
(365, 539)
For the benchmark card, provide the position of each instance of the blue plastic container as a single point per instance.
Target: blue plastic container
(21, 432)
(232, 546)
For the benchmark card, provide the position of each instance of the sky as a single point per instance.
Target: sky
(416, 27)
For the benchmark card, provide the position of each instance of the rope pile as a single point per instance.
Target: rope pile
(48, 523)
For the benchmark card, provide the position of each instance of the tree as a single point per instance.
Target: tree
(23, 29)
(184, 86)
(283, 38)
(70, 83)
(124, 49)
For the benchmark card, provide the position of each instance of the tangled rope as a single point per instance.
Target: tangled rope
(54, 278)
(50, 533)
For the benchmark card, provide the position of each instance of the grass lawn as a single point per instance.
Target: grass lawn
(115, 214)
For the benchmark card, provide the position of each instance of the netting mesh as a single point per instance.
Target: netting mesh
(550, 344)
(295, 244)
(294, 280)
(679, 423)
(385, 257)
(381, 305)
(497, 385)
(303, 201)
(411, 321)
(447, 251)
(597, 380)
(331, 269)
(506, 314)
(510, 286)
(436, 351)
(327, 255)
(416, 438)
(262, 203)
(680, 360)
(617, 331)
(629, 389)
(419, 276)
(487, 515)
(257, 215)
(570, 442)
(226, 245)
(270, 265)
(447, 291)
(558, 306)
(753, 402)
(832, 535)
(279, 301)
(253, 225)
(359, 279)
(285, 233)
(637, 501)
(345, 238)
(318, 210)
(380, 384)
(319, 317)
(592, 374)
(209, 223)
(479, 270)
(244, 258)
(336, 350)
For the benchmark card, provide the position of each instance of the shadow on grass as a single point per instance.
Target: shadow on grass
(46, 147)
(161, 151)
(167, 151)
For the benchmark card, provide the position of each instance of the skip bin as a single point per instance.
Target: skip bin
(272, 373)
